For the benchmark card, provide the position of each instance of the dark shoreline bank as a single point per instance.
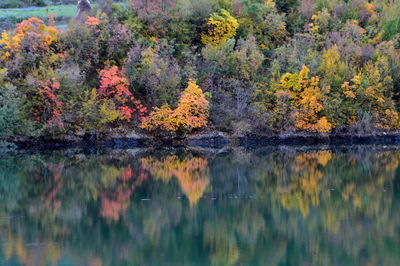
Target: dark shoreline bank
(211, 140)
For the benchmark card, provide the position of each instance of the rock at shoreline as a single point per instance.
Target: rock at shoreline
(214, 139)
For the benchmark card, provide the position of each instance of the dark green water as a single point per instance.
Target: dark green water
(269, 206)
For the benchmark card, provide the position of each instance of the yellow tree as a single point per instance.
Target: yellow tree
(370, 92)
(332, 68)
(305, 97)
(221, 26)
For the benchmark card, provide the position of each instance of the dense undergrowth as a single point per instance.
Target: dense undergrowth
(174, 66)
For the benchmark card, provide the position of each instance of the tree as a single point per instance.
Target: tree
(261, 19)
(191, 113)
(12, 117)
(154, 73)
(230, 72)
(114, 86)
(332, 69)
(221, 26)
(12, 43)
(156, 14)
(306, 100)
(48, 110)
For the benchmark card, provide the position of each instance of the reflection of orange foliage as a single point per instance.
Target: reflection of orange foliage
(127, 173)
(114, 202)
(50, 197)
(95, 261)
(192, 174)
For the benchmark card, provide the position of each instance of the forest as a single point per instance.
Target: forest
(176, 67)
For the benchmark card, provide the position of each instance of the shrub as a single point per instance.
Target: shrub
(98, 112)
(12, 116)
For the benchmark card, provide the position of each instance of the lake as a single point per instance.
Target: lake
(179, 206)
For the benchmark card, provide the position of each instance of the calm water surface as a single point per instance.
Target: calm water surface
(268, 206)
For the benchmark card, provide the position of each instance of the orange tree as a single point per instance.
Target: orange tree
(12, 42)
(191, 113)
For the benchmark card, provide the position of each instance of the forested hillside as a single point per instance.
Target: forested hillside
(173, 67)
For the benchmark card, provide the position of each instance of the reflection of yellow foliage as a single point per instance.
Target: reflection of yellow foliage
(331, 219)
(38, 256)
(304, 190)
(193, 189)
(322, 157)
(222, 243)
(348, 190)
(191, 173)
(357, 202)
(109, 175)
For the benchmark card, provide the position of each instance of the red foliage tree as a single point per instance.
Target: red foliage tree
(114, 85)
(50, 109)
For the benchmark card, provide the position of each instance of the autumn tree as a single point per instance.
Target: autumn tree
(191, 113)
(304, 98)
(375, 94)
(48, 110)
(11, 43)
(114, 85)
(221, 26)
(333, 70)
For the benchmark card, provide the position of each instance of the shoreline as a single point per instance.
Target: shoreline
(214, 139)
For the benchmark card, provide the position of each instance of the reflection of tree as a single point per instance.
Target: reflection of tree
(49, 198)
(192, 174)
(304, 188)
(116, 199)
(29, 255)
(222, 244)
(276, 206)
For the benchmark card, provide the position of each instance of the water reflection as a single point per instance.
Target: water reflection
(275, 206)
